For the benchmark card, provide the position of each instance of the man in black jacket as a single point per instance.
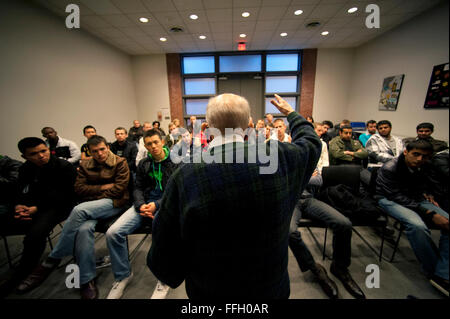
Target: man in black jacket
(152, 175)
(403, 191)
(124, 148)
(45, 198)
(9, 174)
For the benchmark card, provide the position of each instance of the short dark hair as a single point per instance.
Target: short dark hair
(29, 142)
(383, 122)
(88, 127)
(159, 124)
(45, 128)
(95, 140)
(423, 145)
(425, 125)
(371, 122)
(151, 133)
(329, 123)
(121, 128)
(345, 127)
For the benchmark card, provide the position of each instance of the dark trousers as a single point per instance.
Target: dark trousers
(36, 232)
(314, 209)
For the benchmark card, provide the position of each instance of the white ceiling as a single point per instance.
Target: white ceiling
(117, 22)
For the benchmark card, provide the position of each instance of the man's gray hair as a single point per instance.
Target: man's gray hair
(228, 111)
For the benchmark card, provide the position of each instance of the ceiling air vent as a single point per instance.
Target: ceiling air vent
(176, 29)
(314, 24)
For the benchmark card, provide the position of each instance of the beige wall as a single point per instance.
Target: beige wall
(151, 85)
(332, 84)
(411, 49)
(52, 76)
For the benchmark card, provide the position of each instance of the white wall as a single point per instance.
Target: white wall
(411, 49)
(152, 87)
(53, 76)
(332, 84)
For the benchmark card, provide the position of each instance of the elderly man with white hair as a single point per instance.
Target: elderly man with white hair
(223, 227)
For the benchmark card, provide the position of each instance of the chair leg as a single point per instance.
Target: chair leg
(324, 243)
(400, 232)
(8, 254)
(383, 233)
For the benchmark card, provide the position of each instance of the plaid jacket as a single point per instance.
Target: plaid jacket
(379, 150)
(224, 227)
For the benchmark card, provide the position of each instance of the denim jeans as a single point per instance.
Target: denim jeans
(116, 239)
(434, 260)
(77, 237)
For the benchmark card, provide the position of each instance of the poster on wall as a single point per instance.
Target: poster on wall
(390, 93)
(437, 94)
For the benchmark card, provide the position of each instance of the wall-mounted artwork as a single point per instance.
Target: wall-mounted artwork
(390, 93)
(437, 94)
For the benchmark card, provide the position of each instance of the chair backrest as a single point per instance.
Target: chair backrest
(341, 174)
(373, 181)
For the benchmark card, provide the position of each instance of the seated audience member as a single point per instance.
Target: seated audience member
(324, 157)
(382, 146)
(404, 194)
(268, 131)
(345, 150)
(173, 137)
(310, 119)
(327, 125)
(281, 134)
(424, 131)
(269, 118)
(142, 151)
(185, 147)
(177, 122)
(135, 132)
(88, 132)
(9, 173)
(157, 125)
(124, 148)
(45, 196)
(439, 178)
(102, 186)
(151, 179)
(333, 132)
(371, 127)
(61, 147)
(192, 120)
(189, 238)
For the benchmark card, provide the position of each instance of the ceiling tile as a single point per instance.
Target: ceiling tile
(219, 15)
(325, 11)
(218, 4)
(169, 19)
(237, 14)
(268, 25)
(246, 3)
(134, 17)
(276, 2)
(133, 31)
(94, 21)
(296, 2)
(112, 33)
(101, 6)
(222, 36)
(118, 20)
(129, 6)
(158, 5)
(291, 24)
(200, 13)
(307, 10)
(221, 26)
(272, 13)
(183, 5)
(244, 27)
(197, 27)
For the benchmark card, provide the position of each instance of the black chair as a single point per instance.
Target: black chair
(349, 175)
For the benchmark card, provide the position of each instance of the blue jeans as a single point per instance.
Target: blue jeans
(116, 239)
(433, 259)
(77, 237)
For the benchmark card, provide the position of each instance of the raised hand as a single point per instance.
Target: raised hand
(282, 105)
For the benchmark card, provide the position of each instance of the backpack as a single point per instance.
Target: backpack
(357, 207)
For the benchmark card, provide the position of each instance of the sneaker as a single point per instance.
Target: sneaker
(118, 288)
(161, 291)
(440, 284)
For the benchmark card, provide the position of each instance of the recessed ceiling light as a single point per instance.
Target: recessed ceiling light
(245, 14)
(325, 33)
(242, 35)
(162, 39)
(193, 16)
(284, 34)
(298, 12)
(202, 37)
(143, 20)
(351, 10)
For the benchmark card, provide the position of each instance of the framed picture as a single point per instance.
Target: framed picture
(390, 93)
(437, 94)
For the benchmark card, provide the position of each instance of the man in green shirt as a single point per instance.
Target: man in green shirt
(345, 150)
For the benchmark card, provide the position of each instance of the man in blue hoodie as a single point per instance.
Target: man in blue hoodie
(152, 175)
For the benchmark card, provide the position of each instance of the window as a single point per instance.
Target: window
(198, 64)
(196, 106)
(240, 63)
(193, 86)
(282, 62)
(270, 108)
(281, 84)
